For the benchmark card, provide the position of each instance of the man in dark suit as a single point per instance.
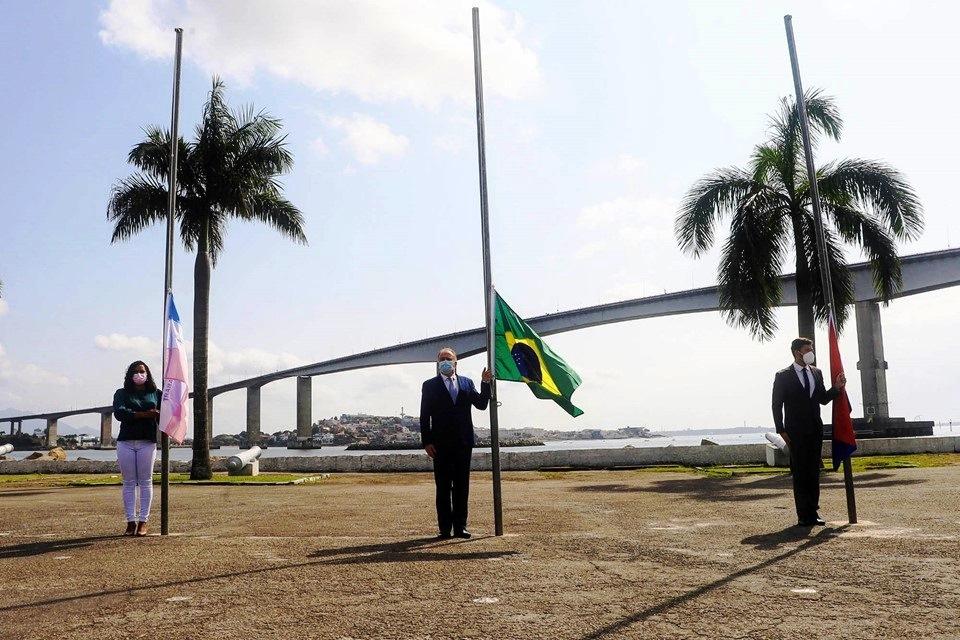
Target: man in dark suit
(798, 392)
(446, 432)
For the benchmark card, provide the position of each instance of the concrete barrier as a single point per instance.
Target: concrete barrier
(697, 456)
(90, 466)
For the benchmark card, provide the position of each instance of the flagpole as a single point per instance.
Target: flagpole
(825, 279)
(488, 289)
(168, 276)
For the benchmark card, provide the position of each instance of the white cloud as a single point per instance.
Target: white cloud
(369, 140)
(221, 363)
(449, 143)
(320, 147)
(4, 307)
(628, 165)
(589, 250)
(378, 50)
(635, 220)
(228, 365)
(19, 375)
(135, 24)
(122, 342)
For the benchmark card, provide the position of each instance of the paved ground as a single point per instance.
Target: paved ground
(588, 555)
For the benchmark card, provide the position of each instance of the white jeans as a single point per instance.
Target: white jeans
(136, 459)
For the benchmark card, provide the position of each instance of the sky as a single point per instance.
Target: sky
(599, 116)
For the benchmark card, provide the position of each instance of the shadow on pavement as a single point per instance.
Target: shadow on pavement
(406, 551)
(616, 629)
(739, 489)
(403, 551)
(793, 533)
(28, 549)
(24, 492)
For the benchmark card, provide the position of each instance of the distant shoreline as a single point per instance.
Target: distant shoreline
(411, 446)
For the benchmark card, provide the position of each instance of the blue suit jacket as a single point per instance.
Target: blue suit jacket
(445, 424)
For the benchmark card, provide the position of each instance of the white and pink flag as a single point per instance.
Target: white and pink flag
(174, 415)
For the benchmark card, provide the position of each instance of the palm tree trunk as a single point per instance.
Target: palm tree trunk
(200, 468)
(805, 318)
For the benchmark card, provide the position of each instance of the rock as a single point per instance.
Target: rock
(707, 442)
(38, 455)
(57, 454)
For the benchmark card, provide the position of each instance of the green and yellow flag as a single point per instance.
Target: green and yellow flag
(523, 357)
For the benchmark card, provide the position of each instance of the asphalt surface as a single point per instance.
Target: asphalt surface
(586, 555)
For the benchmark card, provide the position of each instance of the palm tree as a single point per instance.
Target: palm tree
(228, 171)
(864, 202)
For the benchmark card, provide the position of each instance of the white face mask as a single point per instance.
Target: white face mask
(139, 378)
(809, 357)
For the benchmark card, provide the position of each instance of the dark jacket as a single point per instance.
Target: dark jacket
(794, 410)
(445, 424)
(126, 403)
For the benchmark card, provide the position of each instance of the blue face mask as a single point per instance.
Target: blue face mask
(446, 367)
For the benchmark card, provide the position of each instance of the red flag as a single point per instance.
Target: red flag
(844, 439)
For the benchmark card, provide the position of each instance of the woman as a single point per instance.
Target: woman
(137, 407)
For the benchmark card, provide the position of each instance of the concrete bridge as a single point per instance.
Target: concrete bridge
(921, 272)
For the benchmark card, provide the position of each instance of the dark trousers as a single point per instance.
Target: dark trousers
(805, 450)
(451, 472)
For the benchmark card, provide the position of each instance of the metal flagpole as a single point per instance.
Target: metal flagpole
(825, 279)
(168, 276)
(488, 289)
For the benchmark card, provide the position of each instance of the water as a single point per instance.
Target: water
(185, 454)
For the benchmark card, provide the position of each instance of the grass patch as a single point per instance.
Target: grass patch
(913, 461)
(18, 478)
(730, 470)
(859, 463)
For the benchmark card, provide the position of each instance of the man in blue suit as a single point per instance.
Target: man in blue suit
(446, 432)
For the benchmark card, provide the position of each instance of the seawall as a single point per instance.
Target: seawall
(699, 456)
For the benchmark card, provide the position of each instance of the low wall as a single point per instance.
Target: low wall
(699, 456)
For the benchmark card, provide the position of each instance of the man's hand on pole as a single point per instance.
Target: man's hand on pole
(431, 450)
(486, 376)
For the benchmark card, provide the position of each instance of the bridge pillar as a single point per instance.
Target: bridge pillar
(106, 430)
(253, 416)
(304, 407)
(872, 366)
(51, 432)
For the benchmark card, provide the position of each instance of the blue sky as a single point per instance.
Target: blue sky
(599, 117)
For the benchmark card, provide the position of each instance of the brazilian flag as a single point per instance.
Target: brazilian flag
(523, 357)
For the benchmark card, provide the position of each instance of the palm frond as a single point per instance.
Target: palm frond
(273, 209)
(840, 277)
(857, 227)
(875, 187)
(765, 165)
(749, 273)
(136, 203)
(714, 195)
(823, 118)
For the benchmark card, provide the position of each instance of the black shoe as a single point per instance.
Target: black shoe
(820, 522)
(806, 523)
(443, 535)
(462, 533)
